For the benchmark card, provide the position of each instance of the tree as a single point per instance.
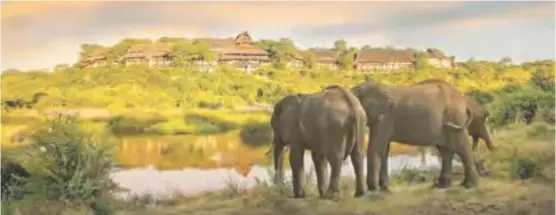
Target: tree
(280, 51)
(86, 51)
(347, 59)
(119, 50)
(310, 59)
(421, 61)
(505, 61)
(340, 46)
(203, 50)
(181, 52)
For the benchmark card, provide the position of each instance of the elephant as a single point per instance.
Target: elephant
(331, 124)
(477, 129)
(428, 114)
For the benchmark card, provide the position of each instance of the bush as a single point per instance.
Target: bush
(521, 103)
(256, 133)
(481, 96)
(71, 170)
(523, 152)
(133, 125)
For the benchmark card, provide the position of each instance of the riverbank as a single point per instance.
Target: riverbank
(153, 122)
(493, 197)
(518, 178)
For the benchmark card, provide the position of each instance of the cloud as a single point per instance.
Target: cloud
(15, 10)
(468, 14)
(508, 16)
(30, 29)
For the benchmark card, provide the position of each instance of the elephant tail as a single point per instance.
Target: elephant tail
(359, 118)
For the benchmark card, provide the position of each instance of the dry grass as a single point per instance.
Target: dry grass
(493, 197)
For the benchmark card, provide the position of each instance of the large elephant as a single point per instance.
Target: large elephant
(428, 114)
(477, 129)
(331, 124)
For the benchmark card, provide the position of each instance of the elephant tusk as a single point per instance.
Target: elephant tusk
(453, 125)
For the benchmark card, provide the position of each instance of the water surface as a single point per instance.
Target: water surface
(190, 165)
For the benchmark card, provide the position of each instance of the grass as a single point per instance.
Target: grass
(520, 181)
(417, 198)
(193, 122)
(505, 191)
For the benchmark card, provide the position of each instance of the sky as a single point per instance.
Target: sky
(42, 34)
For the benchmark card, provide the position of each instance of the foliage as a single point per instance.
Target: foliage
(68, 167)
(521, 103)
(523, 152)
(509, 91)
(256, 133)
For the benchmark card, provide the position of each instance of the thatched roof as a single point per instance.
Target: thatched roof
(325, 56)
(242, 43)
(148, 50)
(97, 54)
(216, 43)
(385, 56)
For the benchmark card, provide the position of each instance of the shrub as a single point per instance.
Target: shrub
(256, 133)
(543, 78)
(523, 152)
(73, 168)
(521, 103)
(481, 96)
(133, 125)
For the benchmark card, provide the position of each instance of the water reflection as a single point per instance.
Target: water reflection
(203, 152)
(189, 165)
(178, 152)
(193, 181)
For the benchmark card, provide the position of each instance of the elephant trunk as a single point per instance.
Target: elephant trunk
(486, 138)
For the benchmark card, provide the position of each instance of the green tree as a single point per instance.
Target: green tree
(421, 61)
(310, 59)
(118, 50)
(181, 52)
(505, 61)
(347, 59)
(203, 50)
(340, 46)
(86, 51)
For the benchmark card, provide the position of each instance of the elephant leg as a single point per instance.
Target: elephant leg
(445, 178)
(384, 179)
(321, 167)
(375, 152)
(357, 162)
(461, 147)
(296, 162)
(335, 160)
(475, 142)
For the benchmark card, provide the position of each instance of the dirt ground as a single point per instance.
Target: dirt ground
(492, 198)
